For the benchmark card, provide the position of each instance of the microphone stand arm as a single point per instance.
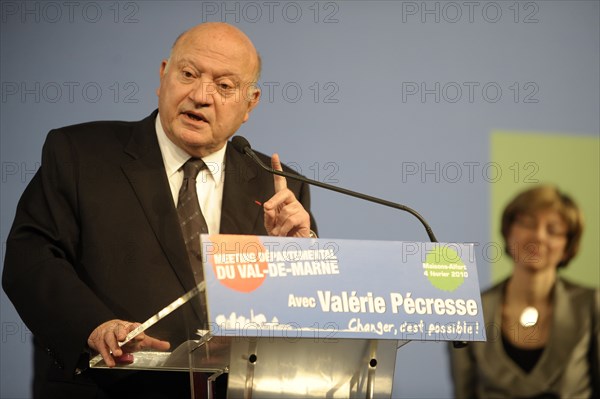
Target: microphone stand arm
(351, 193)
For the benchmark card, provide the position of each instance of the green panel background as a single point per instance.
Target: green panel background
(572, 163)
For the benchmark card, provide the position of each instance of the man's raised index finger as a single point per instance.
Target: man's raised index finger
(280, 182)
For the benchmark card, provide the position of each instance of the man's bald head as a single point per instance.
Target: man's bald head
(220, 32)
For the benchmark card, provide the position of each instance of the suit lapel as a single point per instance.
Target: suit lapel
(503, 369)
(565, 332)
(240, 214)
(146, 174)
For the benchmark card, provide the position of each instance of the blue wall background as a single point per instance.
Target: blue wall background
(392, 98)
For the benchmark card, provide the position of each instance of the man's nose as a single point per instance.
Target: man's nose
(202, 93)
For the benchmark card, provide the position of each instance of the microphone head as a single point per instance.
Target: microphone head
(240, 144)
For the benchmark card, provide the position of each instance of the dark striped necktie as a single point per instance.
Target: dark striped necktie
(191, 220)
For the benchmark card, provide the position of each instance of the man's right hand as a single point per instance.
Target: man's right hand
(106, 337)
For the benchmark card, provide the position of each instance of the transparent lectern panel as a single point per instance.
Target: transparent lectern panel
(177, 323)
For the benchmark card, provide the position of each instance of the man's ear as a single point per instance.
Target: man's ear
(161, 72)
(253, 95)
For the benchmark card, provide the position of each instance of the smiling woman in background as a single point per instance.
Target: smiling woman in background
(542, 330)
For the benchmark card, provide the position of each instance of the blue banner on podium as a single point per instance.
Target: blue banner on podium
(261, 286)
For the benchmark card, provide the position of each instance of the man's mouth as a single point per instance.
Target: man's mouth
(195, 117)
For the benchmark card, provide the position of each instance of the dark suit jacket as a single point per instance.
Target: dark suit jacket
(96, 237)
(566, 367)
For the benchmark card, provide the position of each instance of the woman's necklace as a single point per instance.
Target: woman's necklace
(529, 317)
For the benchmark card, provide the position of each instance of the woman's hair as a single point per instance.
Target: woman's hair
(546, 197)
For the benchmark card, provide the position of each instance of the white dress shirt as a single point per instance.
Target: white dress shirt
(209, 183)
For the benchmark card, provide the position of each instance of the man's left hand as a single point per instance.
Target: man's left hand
(284, 214)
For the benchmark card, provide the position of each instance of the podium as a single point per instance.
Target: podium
(316, 318)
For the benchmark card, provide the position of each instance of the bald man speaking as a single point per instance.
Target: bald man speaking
(104, 234)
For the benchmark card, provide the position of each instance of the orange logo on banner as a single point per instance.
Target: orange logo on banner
(236, 261)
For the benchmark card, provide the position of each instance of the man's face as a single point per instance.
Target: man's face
(205, 91)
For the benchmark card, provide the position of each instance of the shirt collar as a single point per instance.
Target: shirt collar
(174, 157)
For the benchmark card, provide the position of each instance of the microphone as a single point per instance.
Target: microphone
(243, 146)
